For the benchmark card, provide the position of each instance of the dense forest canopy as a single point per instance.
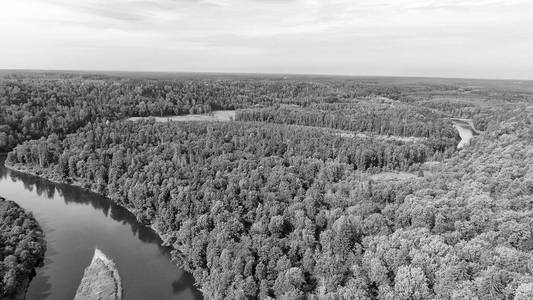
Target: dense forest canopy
(22, 248)
(283, 202)
(35, 107)
(39, 104)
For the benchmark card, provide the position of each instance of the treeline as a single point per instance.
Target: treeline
(261, 210)
(484, 113)
(36, 106)
(22, 248)
(399, 120)
(368, 117)
(203, 140)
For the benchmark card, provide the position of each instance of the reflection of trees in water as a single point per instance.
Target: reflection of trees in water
(71, 195)
(111, 210)
(3, 171)
(42, 187)
(77, 195)
(41, 284)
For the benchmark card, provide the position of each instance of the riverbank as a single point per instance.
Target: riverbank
(48, 176)
(76, 222)
(101, 279)
(77, 183)
(20, 293)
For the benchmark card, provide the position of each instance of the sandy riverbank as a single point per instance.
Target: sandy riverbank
(100, 280)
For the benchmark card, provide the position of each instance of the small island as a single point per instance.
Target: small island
(100, 280)
(22, 248)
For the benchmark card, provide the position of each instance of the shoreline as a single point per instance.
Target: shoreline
(21, 291)
(96, 276)
(44, 176)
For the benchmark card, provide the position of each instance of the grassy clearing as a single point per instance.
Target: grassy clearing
(221, 115)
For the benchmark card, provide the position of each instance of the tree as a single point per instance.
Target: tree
(411, 283)
(524, 292)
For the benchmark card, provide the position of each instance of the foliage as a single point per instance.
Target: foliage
(22, 247)
(281, 209)
(267, 210)
(35, 106)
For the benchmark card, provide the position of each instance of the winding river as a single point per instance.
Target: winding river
(76, 221)
(466, 130)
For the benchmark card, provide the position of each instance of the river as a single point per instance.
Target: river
(466, 130)
(76, 221)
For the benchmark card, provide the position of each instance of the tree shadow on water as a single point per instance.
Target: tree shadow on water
(182, 288)
(40, 287)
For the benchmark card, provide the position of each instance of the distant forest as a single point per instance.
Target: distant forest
(338, 188)
(38, 105)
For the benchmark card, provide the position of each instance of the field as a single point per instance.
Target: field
(223, 115)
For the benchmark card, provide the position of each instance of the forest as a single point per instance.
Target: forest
(22, 248)
(389, 119)
(281, 202)
(38, 105)
(35, 106)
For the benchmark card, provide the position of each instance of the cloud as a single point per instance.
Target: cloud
(121, 10)
(362, 36)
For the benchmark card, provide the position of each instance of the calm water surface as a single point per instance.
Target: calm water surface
(75, 222)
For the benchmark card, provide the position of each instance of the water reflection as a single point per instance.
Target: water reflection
(70, 194)
(73, 225)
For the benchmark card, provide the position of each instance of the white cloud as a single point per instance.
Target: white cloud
(481, 38)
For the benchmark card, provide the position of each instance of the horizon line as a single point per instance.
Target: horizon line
(103, 71)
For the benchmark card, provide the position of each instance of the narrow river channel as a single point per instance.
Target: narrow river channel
(76, 221)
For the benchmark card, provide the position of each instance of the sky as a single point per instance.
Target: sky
(444, 38)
